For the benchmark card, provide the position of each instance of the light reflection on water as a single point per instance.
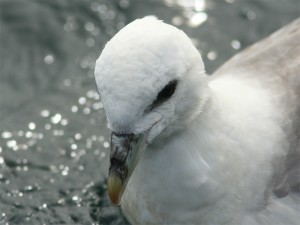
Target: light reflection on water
(54, 144)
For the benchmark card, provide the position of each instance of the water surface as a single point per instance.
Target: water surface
(54, 144)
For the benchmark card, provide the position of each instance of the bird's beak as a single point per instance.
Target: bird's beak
(126, 151)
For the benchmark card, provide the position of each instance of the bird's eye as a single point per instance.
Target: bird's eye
(165, 93)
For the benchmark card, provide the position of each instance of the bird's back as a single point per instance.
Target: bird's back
(273, 64)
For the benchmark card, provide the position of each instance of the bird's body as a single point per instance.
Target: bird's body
(237, 152)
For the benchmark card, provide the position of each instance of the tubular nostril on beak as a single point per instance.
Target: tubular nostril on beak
(118, 167)
(121, 146)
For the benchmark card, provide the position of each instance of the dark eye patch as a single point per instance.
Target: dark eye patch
(164, 94)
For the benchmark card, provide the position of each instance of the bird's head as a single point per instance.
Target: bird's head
(152, 83)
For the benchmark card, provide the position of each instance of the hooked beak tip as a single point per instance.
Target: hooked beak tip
(126, 151)
(115, 189)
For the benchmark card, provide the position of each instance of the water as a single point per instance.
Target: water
(54, 144)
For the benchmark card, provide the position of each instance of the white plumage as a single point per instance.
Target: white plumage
(223, 147)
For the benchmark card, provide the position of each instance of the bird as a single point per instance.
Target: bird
(191, 148)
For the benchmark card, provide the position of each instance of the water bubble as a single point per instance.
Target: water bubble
(71, 24)
(61, 201)
(14, 192)
(124, 4)
(28, 188)
(197, 19)
(90, 93)
(45, 113)
(84, 64)
(43, 206)
(73, 146)
(110, 15)
(102, 154)
(97, 106)
(95, 6)
(86, 111)
(40, 136)
(200, 5)
(74, 109)
(64, 122)
(31, 126)
(102, 9)
(96, 96)
(78, 136)
(177, 20)
(89, 26)
(236, 44)
(28, 134)
(11, 143)
(20, 133)
(81, 167)
(82, 152)
(6, 134)
(212, 55)
(82, 100)
(56, 118)
(68, 27)
(23, 147)
(1, 160)
(31, 142)
(73, 154)
(89, 143)
(90, 42)
(75, 198)
(89, 185)
(49, 59)
(53, 168)
(106, 144)
(0, 149)
(64, 172)
(58, 132)
(230, 1)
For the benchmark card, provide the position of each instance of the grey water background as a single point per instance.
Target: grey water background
(54, 144)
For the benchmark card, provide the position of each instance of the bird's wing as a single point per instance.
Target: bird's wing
(274, 64)
(275, 59)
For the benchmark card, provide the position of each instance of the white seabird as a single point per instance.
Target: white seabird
(188, 148)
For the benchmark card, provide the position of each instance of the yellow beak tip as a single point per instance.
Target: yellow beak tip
(115, 189)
